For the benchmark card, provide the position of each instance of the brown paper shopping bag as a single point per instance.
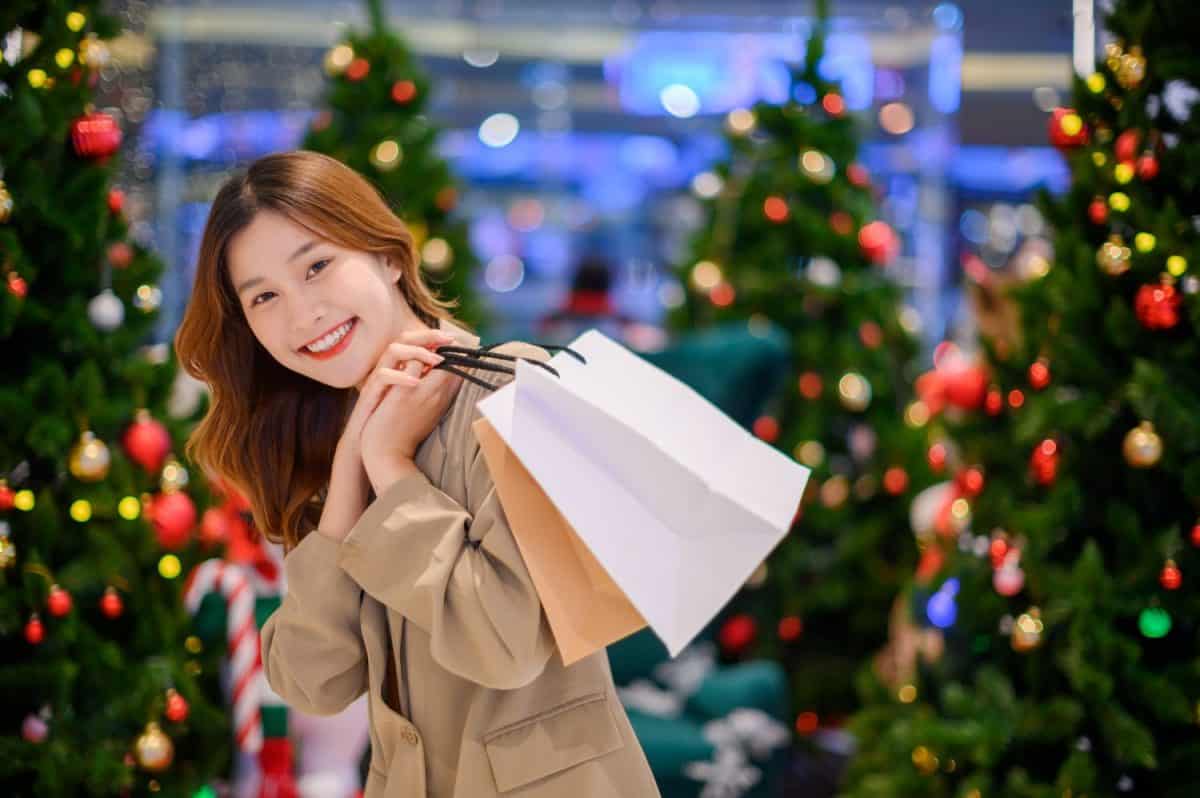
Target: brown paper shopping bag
(585, 608)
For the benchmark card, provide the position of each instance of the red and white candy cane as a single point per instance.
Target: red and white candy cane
(232, 582)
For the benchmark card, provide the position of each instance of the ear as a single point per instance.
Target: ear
(391, 269)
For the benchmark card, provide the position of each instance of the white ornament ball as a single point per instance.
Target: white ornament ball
(106, 311)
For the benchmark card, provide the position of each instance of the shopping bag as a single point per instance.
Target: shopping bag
(677, 502)
(585, 608)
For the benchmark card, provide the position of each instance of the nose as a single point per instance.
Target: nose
(308, 313)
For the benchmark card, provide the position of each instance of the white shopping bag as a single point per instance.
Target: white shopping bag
(676, 501)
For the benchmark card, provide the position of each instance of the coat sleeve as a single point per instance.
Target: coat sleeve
(455, 571)
(312, 650)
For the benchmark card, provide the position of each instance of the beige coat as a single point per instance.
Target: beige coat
(430, 577)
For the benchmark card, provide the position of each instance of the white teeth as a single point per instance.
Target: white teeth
(330, 340)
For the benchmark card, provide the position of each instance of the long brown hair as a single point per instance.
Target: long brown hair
(270, 432)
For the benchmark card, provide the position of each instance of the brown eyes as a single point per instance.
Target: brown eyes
(323, 263)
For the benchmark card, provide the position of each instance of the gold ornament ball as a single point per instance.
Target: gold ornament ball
(835, 491)
(174, 477)
(1143, 447)
(337, 59)
(154, 749)
(6, 203)
(436, 255)
(924, 760)
(854, 392)
(1113, 257)
(1027, 631)
(89, 459)
(147, 298)
(1131, 68)
(386, 155)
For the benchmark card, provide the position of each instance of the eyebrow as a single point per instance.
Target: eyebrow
(253, 281)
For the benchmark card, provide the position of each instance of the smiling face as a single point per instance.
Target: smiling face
(319, 309)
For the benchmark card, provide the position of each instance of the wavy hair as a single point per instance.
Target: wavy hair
(270, 432)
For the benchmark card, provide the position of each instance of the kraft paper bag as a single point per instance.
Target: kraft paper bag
(585, 608)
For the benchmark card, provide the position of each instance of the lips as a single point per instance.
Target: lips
(338, 347)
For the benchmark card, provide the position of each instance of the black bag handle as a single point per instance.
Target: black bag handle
(458, 358)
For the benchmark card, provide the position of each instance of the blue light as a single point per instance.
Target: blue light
(803, 93)
(947, 16)
(941, 609)
(945, 73)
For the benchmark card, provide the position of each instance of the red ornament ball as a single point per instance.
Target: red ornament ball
(17, 285)
(833, 104)
(766, 428)
(358, 69)
(810, 385)
(966, 387)
(1126, 145)
(971, 481)
(1170, 578)
(1196, 534)
(116, 200)
(841, 223)
(403, 91)
(858, 175)
(177, 707)
(994, 403)
(120, 254)
(1157, 306)
(1016, 398)
(737, 634)
(937, 457)
(776, 209)
(7, 497)
(871, 334)
(1044, 462)
(1067, 129)
(1039, 375)
(58, 602)
(878, 242)
(95, 135)
(1147, 167)
(790, 628)
(147, 442)
(35, 632)
(1098, 211)
(895, 480)
(214, 527)
(173, 515)
(111, 604)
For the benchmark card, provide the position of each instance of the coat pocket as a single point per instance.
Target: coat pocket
(551, 741)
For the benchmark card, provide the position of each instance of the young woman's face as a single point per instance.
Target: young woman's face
(320, 310)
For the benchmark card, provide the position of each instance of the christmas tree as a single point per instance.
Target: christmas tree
(376, 123)
(104, 691)
(1065, 589)
(792, 239)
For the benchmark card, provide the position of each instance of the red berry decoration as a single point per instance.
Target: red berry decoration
(737, 634)
(120, 254)
(1067, 129)
(1170, 578)
(766, 428)
(147, 442)
(994, 402)
(1196, 534)
(790, 628)
(17, 285)
(858, 175)
(895, 480)
(116, 200)
(403, 91)
(58, 602)
(95, 135)
(35, 633)
(937, 457)
(173, 515)
(111, 604)
(1044, 462)
(1157, 306)
(971, 481)
(1147, 167)
(1039, 374)
(177, 707)
(1126, 145)
(1098, 211)
(878, 242)
(358, 69)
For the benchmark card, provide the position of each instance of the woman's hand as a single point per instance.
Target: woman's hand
(400, 404)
